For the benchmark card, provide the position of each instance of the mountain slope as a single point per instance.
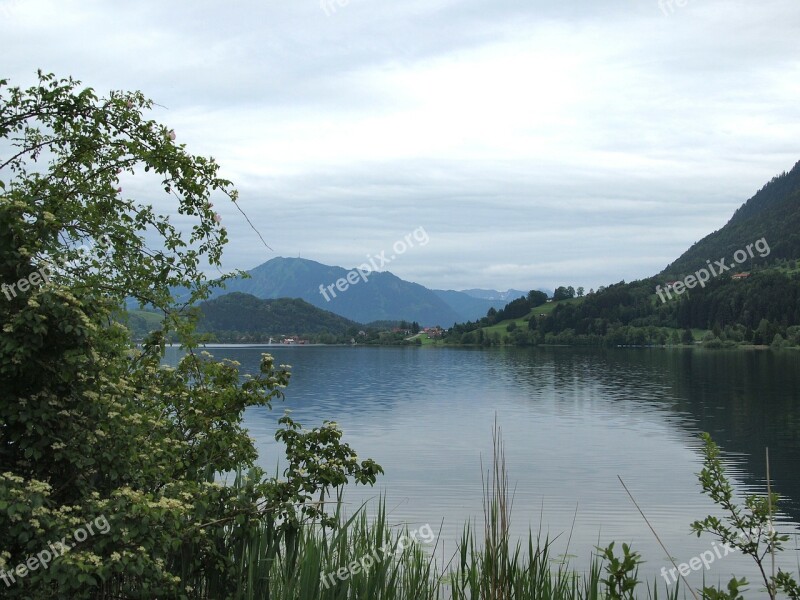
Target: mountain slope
(383, 296)
(469, 307)
(762, 308)
(773, 213)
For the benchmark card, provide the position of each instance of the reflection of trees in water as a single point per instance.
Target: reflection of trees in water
(747, 400)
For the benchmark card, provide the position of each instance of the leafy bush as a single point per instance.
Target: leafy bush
(94, 426)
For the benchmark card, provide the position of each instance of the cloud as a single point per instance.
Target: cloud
(538, 143)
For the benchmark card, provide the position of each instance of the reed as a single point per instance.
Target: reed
(274, 563)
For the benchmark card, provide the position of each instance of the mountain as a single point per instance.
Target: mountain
(506, 296)
(245, 313)
(369, 297)
(469, 307)
(773, 214)
(473, 304)
(730, 307)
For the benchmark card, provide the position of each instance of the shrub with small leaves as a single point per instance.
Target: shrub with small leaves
(93, 425)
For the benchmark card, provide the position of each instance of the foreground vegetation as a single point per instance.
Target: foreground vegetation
(96, 430)
(330, 563)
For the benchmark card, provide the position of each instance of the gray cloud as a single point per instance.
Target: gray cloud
(538, 143)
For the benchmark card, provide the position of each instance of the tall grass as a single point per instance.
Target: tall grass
(498, 570)
(305, 564)
(273, 563)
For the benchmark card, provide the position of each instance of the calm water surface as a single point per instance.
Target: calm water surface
(572, 421)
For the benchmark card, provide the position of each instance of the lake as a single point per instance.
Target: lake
(572, 420)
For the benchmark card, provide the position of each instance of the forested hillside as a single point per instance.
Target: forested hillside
(755, 301)
(239, 313)
(773, 213)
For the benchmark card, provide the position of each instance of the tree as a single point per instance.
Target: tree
(92, 425)
(778, 341)
(415, 328)
(686, 337)
(563, 293)
(765, 333)
(536, 298)
(516, 309)
(580, 292)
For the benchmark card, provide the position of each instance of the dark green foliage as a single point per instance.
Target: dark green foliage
(770, 295)
(755, 309)
(621, 573)
(536, 298)
(563, 293)
(516, 309)
(244, 313)
(92, 425)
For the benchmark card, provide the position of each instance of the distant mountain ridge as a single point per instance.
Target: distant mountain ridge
(467, 306)
(381, 296)
(376, 296)
(506, 296)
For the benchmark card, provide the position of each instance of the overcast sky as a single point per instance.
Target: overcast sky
(538, 143)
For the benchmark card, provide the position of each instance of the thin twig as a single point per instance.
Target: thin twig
(771, 528)
(658, 538)
(253, 227)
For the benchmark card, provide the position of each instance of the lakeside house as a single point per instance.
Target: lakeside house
(740, 276)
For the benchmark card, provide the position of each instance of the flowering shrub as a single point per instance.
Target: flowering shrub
(92, 425)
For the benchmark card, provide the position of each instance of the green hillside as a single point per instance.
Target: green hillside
(232, 315)
(759, 306)
(141, 322)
